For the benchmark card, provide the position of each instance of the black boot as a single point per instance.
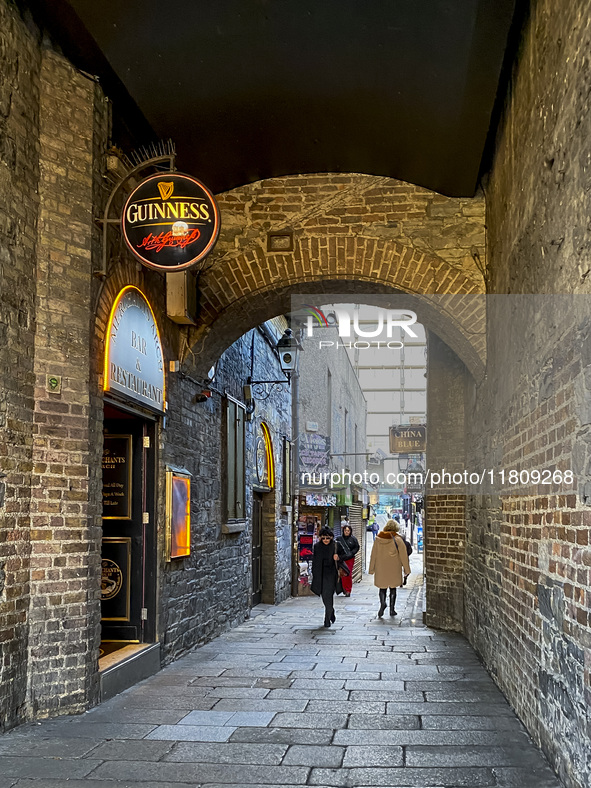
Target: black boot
(333, 618)
(382, 602)
(393, 602)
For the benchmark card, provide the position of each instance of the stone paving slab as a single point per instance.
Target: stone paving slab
(203, 772)
(404, 776)
(142, 750)
(265, 705)
(48, 783)
(29, 766)
(316, 736)
(429, 737)
(45, 748)
(192, 733)
(232, 752)
(279, 701)
(134, 715)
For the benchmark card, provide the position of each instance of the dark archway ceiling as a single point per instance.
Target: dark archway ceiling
(251, 89)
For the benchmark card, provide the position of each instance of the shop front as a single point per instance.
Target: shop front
(134, 401)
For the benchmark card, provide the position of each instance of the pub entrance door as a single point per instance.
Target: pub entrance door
(257, 548)
(128, 602)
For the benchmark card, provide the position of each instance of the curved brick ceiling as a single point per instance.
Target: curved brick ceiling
(251, 89)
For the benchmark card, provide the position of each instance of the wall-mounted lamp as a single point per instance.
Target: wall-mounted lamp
(288, 348)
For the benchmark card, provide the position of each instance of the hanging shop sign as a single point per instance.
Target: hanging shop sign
(134, 365)
(264, 461)
(170, 222)
(321, 499)
(313, 452)
(408, 439)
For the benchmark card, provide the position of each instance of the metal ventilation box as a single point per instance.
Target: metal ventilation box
(181, 297)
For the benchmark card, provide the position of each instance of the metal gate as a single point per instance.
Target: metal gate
(356, 523)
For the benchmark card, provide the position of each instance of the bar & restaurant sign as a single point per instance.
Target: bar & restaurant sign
(134, 364)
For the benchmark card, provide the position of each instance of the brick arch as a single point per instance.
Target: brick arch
(244, 290)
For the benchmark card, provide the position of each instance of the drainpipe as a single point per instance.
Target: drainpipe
(295, 459)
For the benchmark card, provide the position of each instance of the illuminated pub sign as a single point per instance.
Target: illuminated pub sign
(178, 513)
(170, 222)
(134, 365)
(408, 439)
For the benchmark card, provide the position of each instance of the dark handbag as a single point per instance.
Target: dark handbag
(343, 569)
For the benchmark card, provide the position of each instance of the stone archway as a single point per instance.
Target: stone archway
(355, 235)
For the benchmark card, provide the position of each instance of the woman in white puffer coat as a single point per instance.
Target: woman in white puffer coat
(388, 564)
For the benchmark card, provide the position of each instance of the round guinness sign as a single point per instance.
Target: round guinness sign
(170, 222)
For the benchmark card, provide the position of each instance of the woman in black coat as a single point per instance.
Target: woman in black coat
(351, 547)
(325, 561)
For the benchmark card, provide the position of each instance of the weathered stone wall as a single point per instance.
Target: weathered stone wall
(528, 555)
(210, 591)
(20, 62)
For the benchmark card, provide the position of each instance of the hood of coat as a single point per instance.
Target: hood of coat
(386, 535)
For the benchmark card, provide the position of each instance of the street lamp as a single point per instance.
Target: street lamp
(288, 348)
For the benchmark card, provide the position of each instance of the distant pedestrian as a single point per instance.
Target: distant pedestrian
(325, 564)
(351, 547)
(375, 528)
(389, 564)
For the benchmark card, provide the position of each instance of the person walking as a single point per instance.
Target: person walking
(325, 565)
(351, 547)
(387, 563)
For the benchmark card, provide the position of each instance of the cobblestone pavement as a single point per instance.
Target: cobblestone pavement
(282, 701)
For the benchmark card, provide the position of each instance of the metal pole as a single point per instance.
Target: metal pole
(295, 458)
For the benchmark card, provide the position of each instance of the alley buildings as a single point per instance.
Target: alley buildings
(482, 230)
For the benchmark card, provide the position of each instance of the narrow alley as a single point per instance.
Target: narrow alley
(282, 701)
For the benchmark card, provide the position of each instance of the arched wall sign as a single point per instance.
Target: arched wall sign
(134, 363)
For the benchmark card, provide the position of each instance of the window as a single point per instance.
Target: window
(235, 457)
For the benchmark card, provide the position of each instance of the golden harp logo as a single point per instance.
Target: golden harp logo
(165, 189)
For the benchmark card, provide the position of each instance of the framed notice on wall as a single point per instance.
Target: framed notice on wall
(117, 477)
(115, 578)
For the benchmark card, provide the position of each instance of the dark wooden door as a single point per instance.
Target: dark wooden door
(257, 548)
(127, 530)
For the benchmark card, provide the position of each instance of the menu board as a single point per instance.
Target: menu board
(117, 477)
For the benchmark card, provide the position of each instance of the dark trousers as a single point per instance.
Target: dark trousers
(328, 602)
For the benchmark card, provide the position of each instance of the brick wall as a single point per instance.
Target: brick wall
(19, 177)
(65, 521)
(528, 557)
(351, 233)
(445, 507)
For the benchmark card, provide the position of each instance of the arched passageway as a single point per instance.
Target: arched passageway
(375, 241)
